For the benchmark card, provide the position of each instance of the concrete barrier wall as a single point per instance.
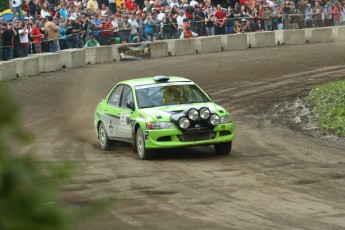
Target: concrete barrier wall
(205, 45)
(262, 39)
(27, 66)
(48, 62)
(180, 47)
(72, 58)
(8, 70)
(294, 37)
(339, 33)
(159, 49)
(234, 42)
(319, 35)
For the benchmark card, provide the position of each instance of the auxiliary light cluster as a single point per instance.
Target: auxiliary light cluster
(201, 114)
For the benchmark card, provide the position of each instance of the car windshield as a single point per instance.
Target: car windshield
(169, 94)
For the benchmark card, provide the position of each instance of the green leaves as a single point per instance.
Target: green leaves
(328, 103)
(28, 190)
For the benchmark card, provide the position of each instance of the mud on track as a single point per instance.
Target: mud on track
(278, 177)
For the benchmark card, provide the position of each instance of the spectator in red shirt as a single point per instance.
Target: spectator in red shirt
(37, 37)
(221, 20)
(107, 31)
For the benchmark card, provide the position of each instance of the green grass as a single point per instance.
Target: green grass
(328, 106)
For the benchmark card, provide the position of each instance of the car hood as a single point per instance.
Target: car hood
(163, 113)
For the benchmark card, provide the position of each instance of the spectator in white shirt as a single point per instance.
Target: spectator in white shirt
(24, 39)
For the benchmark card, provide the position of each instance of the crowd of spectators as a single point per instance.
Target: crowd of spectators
(52, 25)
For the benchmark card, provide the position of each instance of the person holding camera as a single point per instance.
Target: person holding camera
(8, 41)
(15, 6)
(24, 39)
(167, 21)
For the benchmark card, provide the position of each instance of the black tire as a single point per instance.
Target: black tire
(103, 137)
(223, 148)
(143, 153)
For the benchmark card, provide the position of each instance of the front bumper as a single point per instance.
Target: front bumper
(174, 138)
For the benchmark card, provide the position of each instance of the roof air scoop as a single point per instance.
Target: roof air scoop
(161, 78)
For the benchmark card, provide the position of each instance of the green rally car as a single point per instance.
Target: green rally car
(162, 112)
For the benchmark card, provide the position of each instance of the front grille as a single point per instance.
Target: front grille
(196, 136)
(166, 138)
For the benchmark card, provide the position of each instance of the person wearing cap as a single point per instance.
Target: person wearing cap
(188, 33)
(244, 27)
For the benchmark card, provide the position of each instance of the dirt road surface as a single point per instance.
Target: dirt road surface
(277, 177)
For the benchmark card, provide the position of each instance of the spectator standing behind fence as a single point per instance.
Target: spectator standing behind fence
(24, 39)
(336, 11)
(37, 37)
(179, 20)
(199, 21)
(96, 26)
(125, 30)
(16, 48)
(221, 20)
(317, 14)
(167, 21)
(211, 21)
(148, 30)
(308, 16)
(53, 34)
(327, 12)
(8, 41)
(267, 18)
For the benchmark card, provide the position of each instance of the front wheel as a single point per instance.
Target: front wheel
(103, 137)
(143, 153)
(223, 148)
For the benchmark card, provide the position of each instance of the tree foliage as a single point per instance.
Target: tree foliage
(28, 189)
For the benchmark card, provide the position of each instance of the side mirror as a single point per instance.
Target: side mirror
(130, 105)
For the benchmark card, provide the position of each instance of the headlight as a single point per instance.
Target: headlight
(225, 119)
(183, 123)
(205, 113)
(215, 119)
(159, 125)
(193, 114)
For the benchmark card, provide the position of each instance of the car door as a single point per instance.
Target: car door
(125, 126)
(111, 116)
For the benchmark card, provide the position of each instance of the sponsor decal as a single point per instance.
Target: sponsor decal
(134, 51)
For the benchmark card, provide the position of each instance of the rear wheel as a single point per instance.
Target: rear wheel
(223, 148)
(143, 153)
(103, 137)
